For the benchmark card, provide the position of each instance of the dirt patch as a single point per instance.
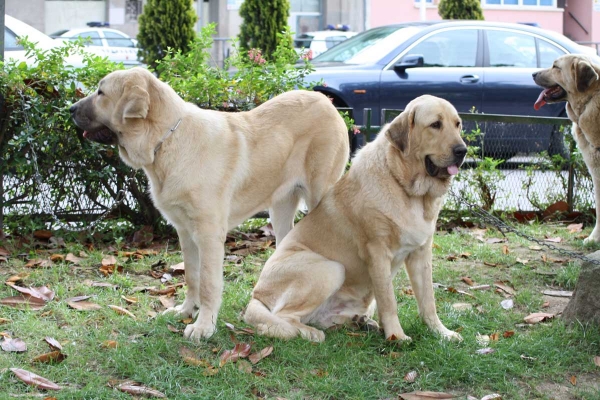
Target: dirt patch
(556, 304)
(565, 390)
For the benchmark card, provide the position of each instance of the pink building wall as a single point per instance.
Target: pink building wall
(587, 12)
(385, 12)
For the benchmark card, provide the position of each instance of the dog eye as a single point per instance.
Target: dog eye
(458, 124)
(100, 92)
(436, 125)
(554, 66)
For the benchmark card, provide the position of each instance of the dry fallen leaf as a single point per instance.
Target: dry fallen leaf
(411, 376)
(535, 248)
(72, 258)
(241, 350)
(57, 257)
(189, 357)
(573, 380)
(493, 396)
(546, 304)
(167, 301)
(138, 389)
(24, 302)
(130, 300)
(84, 305)
(110, 260)
(110, 344)
(38, 263)
(53, 343)
(508, 334)
(4, 321)
(480, 287)
(553, 240)
(122, 311)
(505, 249)
(425, 395)
(48, 358)
(482, 340)
(34, 380)
(538, 317)
(13, 345)
(42, 292)
(256, 357)
(597, 361)
(522, 261)
(467, 280)
(495, 336)
(501, 285)
(574, 228)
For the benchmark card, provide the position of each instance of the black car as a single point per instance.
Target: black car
(478, 66)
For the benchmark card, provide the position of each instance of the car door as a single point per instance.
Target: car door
(511, 57)
(120, 47)
(452, 69)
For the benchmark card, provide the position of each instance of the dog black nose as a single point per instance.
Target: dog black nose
(72, 109)
(534, 74)
(459, 151)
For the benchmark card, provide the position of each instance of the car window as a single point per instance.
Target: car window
(454, 48)
(303, 43)
(116, 40)
(511, 49)
(548, 53)
(10, 41)
(331, 41)
(369, 46)
(94, 36)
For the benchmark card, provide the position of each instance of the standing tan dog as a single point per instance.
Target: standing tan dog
(211, 170)
(339, 261)
(575, 79)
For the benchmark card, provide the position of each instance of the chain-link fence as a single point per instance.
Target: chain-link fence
(514, 163)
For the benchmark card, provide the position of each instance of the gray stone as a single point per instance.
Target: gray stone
(585, 303)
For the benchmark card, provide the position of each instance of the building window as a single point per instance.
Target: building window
(535, 3)
(305, 5)
(427, 1)
(133, 9)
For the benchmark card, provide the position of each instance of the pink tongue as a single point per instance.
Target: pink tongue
(453, 170)
(85, 134)
(539, 103)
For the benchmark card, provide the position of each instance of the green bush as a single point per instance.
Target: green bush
(264, 21)
(164, 25)
(460, 9)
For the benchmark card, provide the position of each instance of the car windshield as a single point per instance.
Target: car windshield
(368, 46)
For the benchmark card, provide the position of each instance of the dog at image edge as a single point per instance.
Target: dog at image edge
(210, 170)
(575, 79)
(338, 263)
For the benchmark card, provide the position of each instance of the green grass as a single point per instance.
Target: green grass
(348, 365)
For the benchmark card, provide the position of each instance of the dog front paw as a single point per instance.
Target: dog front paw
(452, 336)
(593, 238)
(199, 331)
(398, 338)
(184, 310)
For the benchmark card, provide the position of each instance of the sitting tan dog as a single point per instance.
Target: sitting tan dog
(575, 79)
(340, 260)
(211, 170)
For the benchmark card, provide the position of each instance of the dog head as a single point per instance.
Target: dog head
(427, 136)
(569, 77)
(130, 108)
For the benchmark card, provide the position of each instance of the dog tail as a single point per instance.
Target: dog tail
(267, 323)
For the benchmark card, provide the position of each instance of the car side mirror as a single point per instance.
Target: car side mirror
(409, 61)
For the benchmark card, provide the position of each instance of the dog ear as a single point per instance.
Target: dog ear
(399, 130)
(585, 75)
(135, 102)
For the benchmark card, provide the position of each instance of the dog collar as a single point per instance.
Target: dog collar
(166, 136)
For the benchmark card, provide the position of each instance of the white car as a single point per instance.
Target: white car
(315, 43)
(13, 50)
(105, 42)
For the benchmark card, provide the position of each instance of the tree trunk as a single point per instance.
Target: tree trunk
(585, 303)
